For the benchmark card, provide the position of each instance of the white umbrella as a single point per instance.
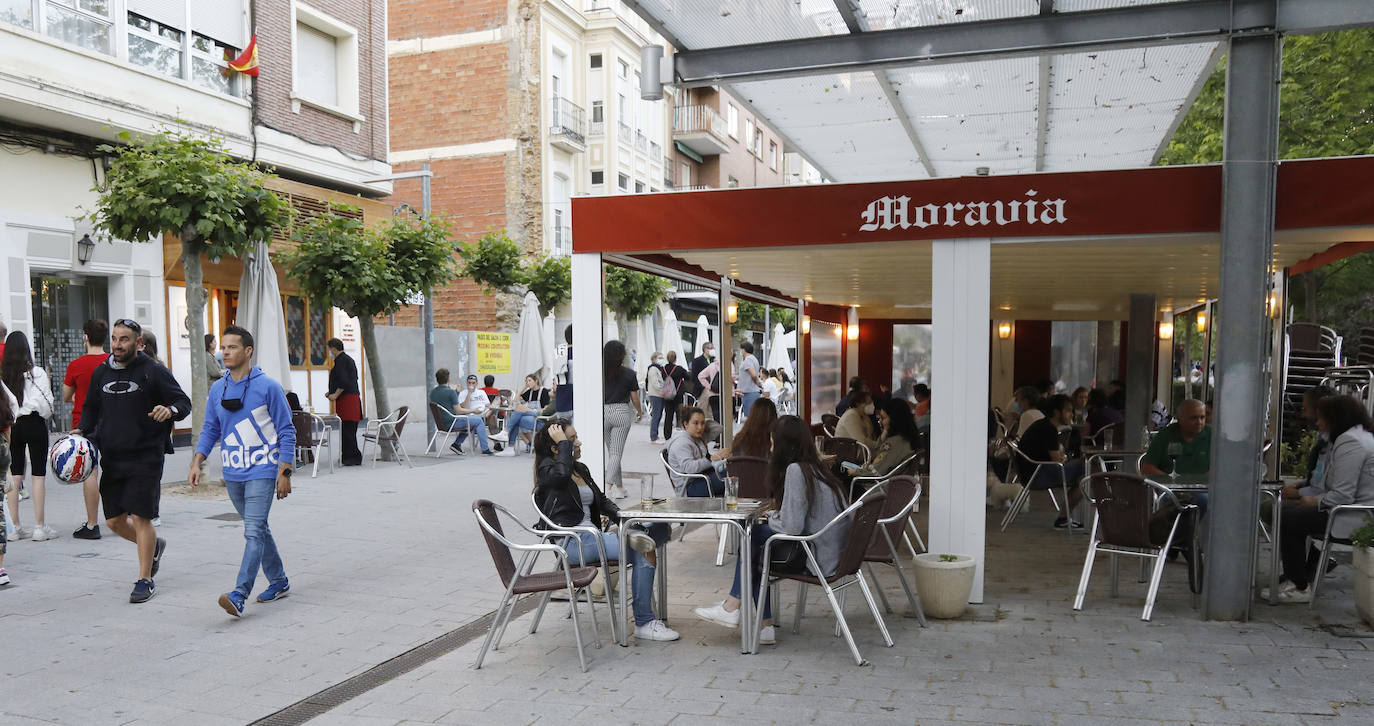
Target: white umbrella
(609, 330)
(260, 313)
(528, 356)
(703, 335)
(642, 340)
(777, 350)
(550, 348)
(670, 333)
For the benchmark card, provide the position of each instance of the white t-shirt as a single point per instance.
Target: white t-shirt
(770, 389)
(475, 401)
(1028, 418)
(746, 383)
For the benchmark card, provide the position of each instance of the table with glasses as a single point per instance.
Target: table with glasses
(694, 510)
(1202, 483)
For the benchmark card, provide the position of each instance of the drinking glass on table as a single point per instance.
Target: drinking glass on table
(1174, 451)
(646, 491)
(731, 491)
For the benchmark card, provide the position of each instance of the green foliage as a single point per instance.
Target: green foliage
(751, 317)
(1343, 297)
(1364, 536)
(949, 558)
(550, 279)
(420, 251)
(175, 184)
(1293, 454)
(339, 260)
(494, 262)
(634, 294)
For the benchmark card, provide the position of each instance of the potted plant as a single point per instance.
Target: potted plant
(1363, 541)
(944, 582)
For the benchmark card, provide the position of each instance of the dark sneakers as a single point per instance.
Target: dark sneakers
(143, 591)
(157, 555)
(87, 531)
(232, 602)
(275, 591)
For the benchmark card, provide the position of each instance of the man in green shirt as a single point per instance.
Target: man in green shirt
(1185, 445)
(446, 398)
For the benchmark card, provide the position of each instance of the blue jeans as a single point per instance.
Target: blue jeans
(655, 415)
(698, 488)
(479, 427)
(757, 536)
(520, 420)
(253, 500)
(747, 403)
(642, 575)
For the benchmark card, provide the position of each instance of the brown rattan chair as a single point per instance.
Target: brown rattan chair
(519, 579)
(459, 424)
(753, 475)
(850, 450)
(1026, 486)
(902, 492)
(828, 422)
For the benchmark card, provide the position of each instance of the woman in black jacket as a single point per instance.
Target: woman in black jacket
(566, 493)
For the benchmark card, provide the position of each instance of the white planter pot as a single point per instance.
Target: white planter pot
(944, 587)
(1364, 584)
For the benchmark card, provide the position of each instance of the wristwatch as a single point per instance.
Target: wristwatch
(287, 472)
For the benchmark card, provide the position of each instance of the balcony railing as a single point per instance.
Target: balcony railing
(701, 129)
(568, 123)
(641, 141)
(592, 5)
(655, 151)
(627, 134)
(562, 240)
(596, 128)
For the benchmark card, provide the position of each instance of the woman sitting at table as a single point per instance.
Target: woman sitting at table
(897, 441)
(688, 454)
(805, 497)
(755, 437)
(532, 399)
(857, 421)
(1348, 479)
(566, 493)
(1100, 416)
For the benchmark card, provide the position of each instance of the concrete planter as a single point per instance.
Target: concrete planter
(944, 586)
(1364, 584)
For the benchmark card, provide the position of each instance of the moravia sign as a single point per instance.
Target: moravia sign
(887, 213)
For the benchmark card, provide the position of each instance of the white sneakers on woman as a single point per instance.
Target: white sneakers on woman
(655, 630)
(720, 616)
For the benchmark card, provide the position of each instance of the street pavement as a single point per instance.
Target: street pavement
(383, 560)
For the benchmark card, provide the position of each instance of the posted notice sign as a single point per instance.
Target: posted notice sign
(493, 353)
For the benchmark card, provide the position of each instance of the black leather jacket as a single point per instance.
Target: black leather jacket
(556, 492)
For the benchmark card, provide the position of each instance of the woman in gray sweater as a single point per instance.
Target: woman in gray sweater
(805, 498)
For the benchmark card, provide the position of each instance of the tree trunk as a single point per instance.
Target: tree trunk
(195, 326)
(375, 373)
(1309, 302)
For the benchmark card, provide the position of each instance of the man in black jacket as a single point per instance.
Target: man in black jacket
(347, 398)
(128, 405)
(699, 364)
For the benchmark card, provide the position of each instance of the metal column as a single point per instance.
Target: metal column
(1140, 379)
(725, 350)
(429, 308)
(1247, 240)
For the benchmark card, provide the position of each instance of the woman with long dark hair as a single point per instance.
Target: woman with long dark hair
(755, 437)
(805, 497)
(7, 406)
(566, 493)
(29, 433)
(621, 408)
(897, 441)
(1348, 479)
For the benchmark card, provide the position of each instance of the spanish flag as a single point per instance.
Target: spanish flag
(247, 62)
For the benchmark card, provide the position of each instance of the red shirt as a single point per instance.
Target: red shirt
(492, 393)
(79, 378)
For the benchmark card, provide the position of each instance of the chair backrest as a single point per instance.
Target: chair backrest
(901, 493)
(753, 475)
(402, 414)
(437, 413)
(846, 450)
(304, 424)
(490, 524)
(1124, 503)
(861, 530)
(830, 421)
(1106, 435)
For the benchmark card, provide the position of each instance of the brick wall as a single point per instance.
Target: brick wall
(433, 18)
(273, 86)
(449, 97)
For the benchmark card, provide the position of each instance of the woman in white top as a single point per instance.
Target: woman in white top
(857, 421)
(29, 434)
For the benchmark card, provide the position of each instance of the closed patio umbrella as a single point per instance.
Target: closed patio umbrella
(669, 333)
(529, 353)
(777, 350)
(260, 312)
(703, 335)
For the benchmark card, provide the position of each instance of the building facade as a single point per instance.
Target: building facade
(76, 73)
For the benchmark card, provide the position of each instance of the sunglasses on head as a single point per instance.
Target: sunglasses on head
(130, 324)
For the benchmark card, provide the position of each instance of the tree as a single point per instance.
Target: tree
(171, 184)
(550, 279)
(494, 262)
(369, 272)
(632, 294)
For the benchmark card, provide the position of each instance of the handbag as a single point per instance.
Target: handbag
(44, 406)
(787, 557)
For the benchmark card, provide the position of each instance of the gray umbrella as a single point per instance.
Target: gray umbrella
(260, 311)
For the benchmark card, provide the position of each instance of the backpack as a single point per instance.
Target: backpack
(669, 383)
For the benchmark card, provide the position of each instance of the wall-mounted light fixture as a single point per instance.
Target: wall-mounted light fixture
(1273, 305)
(1004, 330)
(853, 332)
(1201, 323)
(1166, 331)
(806, 325)
(732, 312)
(85, 247)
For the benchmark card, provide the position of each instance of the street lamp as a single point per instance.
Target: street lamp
(84, 248)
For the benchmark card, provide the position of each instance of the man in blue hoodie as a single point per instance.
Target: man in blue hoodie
(248, 417)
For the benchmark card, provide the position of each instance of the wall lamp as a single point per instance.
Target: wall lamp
(1004, 330)
(806, 325)
(85, 247)
(732, 312)
(1166, 331)
(853, 332)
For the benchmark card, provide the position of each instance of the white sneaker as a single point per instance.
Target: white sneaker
(498, 436)
(44, 533)
(1289, 593)
(655, 630)
(719, 615)
(768, 636)
(620, 493)
(4, 577)
(157, 521)
(641, 542)
(19, 533)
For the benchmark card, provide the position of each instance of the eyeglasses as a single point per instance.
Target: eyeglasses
(130, 324)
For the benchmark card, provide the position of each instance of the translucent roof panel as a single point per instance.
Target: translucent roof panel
(1113, 110)
(887, 14)
(969, 115)
(843, 121)
(717, 23)
(1070, 6)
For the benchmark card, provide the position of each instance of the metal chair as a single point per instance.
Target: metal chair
(829, 421)
(865, 515)
(722, 532)
(604, 560)
(389, 430)
(752, 472)
(850, 450)
(909, 466)
(519, 579)
(1123, 506)
(902, 492)
(1021, 498)
(1328, 540)
(459, 424)
(1105, 437)
(312, 435)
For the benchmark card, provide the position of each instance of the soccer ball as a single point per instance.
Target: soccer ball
(72, 459)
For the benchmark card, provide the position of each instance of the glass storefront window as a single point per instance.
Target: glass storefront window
(827, 368)
(1073, 354)
(319, 333)
(295, 330)
(910, 358)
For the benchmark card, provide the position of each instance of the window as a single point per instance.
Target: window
(749, 135)
(87, 23)
(595, 61)
(598, 112)
(210, 64)
(307, 330)
(155, 46)
(772, 156)
(639, 187)
(17, 12)
(685, 180)
(325, 59)
(598, 178)
(623, 182)
(732, 120)
(623, 69)
(758, 143)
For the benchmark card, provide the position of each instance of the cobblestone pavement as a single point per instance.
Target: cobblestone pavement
(384, 560)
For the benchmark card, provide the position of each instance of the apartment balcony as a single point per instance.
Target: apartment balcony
(700, 129)
(626, 134)
(568, 126)
(596, 128)
(655, 151)
(562, 240)
(641, 141)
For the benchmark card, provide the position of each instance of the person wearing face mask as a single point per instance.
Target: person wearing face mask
(857, 421)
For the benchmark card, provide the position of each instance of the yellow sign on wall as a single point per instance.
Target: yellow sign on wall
(493, 353)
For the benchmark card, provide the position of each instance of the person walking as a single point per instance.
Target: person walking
(620, 408)
(7, 406)
(653, 388)
(214, 366)
(75, 385)
(29, 433)
(248, 417)
(749, 379)
(131, 401)
(671, 404)
(348, 403)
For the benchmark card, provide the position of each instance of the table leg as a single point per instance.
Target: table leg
(625, 618)
(748, 634)
(662, 582)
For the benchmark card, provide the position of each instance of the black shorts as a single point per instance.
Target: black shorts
(131, 486)
(29, 443)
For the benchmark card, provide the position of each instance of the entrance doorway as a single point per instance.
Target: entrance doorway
(61, 305)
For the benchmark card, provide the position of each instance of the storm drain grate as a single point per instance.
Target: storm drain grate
(340, 693)
(227, 517)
